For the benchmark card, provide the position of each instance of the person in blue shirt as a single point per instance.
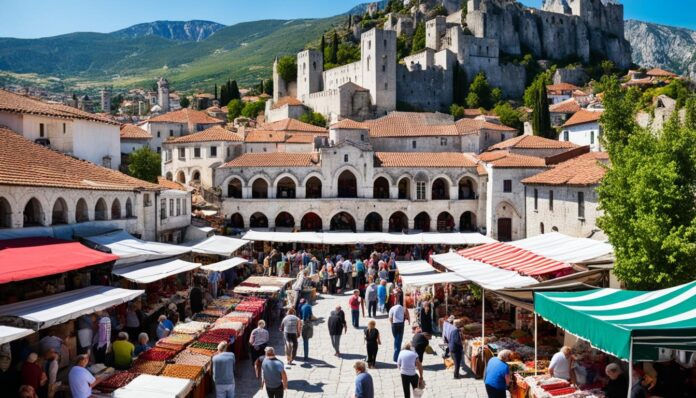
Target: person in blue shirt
(364, 388)
(497, 375)
(456, 347)
(223, 372)
(360, 269)
(382, 296)
(307, 326)
(164, 327)
(143, 344)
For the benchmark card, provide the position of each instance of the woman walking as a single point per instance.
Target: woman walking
(372, 341)
(291, 326)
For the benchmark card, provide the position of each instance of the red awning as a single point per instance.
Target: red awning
(27, 258)
(512, 258)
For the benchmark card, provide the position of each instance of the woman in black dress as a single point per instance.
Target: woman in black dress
(426, 318)
(372, 340)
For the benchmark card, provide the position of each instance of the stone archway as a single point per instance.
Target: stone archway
(258, 220)
(33, 213)
(285, 188)
(380, 188)
(81, 211)
(259, 189)
(313, 188)
(100, 210)
(347, 185)
(342, 222)
(59, 215)
(467, 222)
(445, 222)
(440, 189)
(373, 223)
(398, 222)
(284, 220)
(237, 221)
(422, 222)
(311, 222)
(234, 188)
(5, 213)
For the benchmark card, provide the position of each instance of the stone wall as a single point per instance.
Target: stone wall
(563, 217)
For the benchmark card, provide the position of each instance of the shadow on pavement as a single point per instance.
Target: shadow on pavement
(305, 386)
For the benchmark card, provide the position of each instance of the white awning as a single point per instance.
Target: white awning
(484, 275)
(414, 267)
(263, 284)
(225, 264)
(156, 387)
(152, 271)
(567, 249)
(216, 244)
(369, 238)
(43, 312)
(133, 250)
(10, 333)
(432, 278)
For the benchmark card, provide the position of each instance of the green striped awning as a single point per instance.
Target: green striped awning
(611, 319)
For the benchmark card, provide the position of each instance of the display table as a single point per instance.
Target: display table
(155, 387)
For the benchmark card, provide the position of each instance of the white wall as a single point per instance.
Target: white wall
(564, 215)
(129, 146)
(582, 134)
(203, 164)
(160, 132)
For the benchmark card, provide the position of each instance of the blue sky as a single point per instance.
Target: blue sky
(41, 18)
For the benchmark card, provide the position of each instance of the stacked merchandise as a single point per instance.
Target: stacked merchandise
(147, 367)
(181, 371)
(545, 386)
(116, 381)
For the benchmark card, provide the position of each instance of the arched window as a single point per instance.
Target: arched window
(405, 188)
(445, 222)
(237, 221)
(440, 189)
(234, 189)
(311, 222)
(129, 208)
(380, 189)
(258, 220)
(313, 188)
(259, 189)
(59, 215)
(100, 210)
(284, 220)
(398, 222)
(422, 222)
(196, 176)
(169, 176)
(347, 185)
(116, 210)
(373, 222)
(285, 188)
(343, 222)
(181, 177)
(33, 213)
(467, 222)
(81, 211)
(466, 189)
(5, 213)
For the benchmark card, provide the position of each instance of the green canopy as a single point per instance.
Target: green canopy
(626, 323)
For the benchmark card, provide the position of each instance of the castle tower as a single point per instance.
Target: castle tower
(310, 66)
(434, 30)
(163, 94)
(378, 67)
(105, 94)
(280, 87)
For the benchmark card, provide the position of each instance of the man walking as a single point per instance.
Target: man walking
(397, 316)
(291, 326)
(456, 348)
(274, 378)
(364, 388)
(371, 298)
(408, 364)
(337, 324)
(223, 372)
(307, 326)
(356, 303)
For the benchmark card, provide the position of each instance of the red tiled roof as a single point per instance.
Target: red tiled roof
(647, 81)
(507, 160)
(561, 87)
(472, 112)
(275, 159)
(24, 163)
(215, 133)
(583, 116)
(291, 101)
(412, 124)
(186, 116)
(657, 72)
(568, 106)
(472, 126)
(301, 138)
(133, 132)
(165, 183)
(293, 125)
(264, 136)
(532, 142)
(15, 103)
(423, 159)
(349, 124)
(481, 169)
(584, 170)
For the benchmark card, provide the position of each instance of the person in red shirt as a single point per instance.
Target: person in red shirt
(356, 302)
(32, 374)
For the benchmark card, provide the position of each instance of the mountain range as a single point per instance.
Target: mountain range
(198, 54)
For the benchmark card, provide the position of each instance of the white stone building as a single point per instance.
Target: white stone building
(583, 129)
(176, 124)
(133, 138)
(562, 111)
(62, 128)
(42, 188)
(286, 135)
(564, 198)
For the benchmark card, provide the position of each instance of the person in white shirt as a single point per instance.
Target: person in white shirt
(562, 364)
(397, 315)
(347, 275)
(408, 363)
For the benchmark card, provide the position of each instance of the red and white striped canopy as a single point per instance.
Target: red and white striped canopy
(513, 258)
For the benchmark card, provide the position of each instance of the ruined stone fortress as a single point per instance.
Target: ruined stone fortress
(495, 30)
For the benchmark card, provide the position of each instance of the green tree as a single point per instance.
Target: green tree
(224, 94)
(496, 96)
(457, 111)
(234, 109)
(215, 92)
(233, 90)
(607, 67)
(314, 118)
(252, 109)
(334, 49)
(481, 90)
(322, 47)
(460, 85)
(647, 198)
(144, 164)
(184, 102)
(618, 119)
(418, 41)
(403, 46)
(287, 68)
(690, 116)
(347, 53)
(541, 117)
(268, 86)
(509, 116)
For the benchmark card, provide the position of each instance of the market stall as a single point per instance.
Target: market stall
(9, 333)
(132, 250)
(567, 249)
(217, 245)
(151, 271)
(263, 285)
(224, 265)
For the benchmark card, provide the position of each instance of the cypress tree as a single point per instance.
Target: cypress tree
(322, 48)
(541, 118)
(215, 92)
(350, 21)
(224, 97)
(234, 91)
(334, 49)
